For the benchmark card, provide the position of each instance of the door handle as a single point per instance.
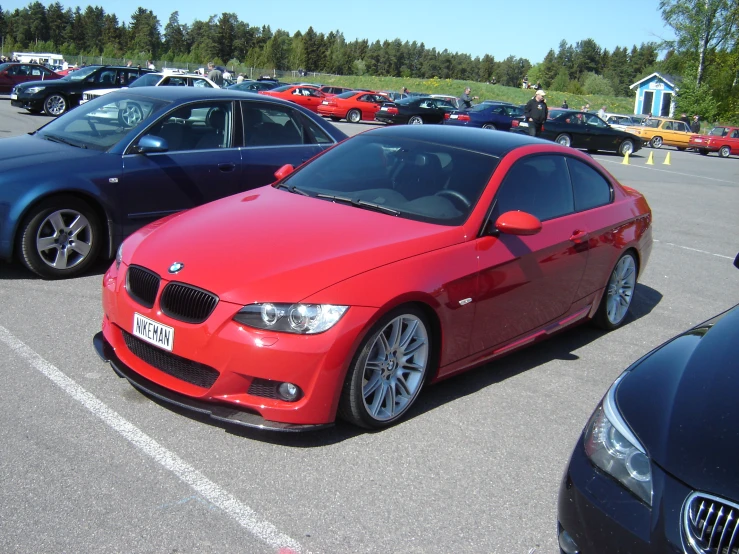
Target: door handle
(579, 236)
(226, 167)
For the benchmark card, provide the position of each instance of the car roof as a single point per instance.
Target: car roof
(477, 140)
(181, 94)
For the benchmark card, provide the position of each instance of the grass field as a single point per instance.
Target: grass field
(484, 91)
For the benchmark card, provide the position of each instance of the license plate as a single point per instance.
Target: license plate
(453, 116)
(697, 140)
(523, 124)
(14, 97)
(153, 332)
(383, 109)
(325, 103)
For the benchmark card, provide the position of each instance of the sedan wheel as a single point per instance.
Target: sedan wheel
(564, 140)
(656, 142)
(489, 126)
(354, 116)
(55, 105)
(130, 115)
(60, 238)
(626, 147)
(618, 294)
(415, 120)
(389, 370)
(724, 151)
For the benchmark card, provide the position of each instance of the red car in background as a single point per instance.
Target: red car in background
(13, 73)
(307, 96)
(721, 139)
(354, 106)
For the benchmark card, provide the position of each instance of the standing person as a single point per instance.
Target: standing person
(215, 75)
(129, 64)
(685, 119)
(602, 113)
(695, 127)
(465, 101)
(564, 104)
(535, 113)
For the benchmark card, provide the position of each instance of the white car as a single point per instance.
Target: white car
(161, 79)
(620, 121)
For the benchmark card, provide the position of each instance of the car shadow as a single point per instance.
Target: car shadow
(17, 271)
(559, 347)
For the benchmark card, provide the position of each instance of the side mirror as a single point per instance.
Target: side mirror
(284, 171)
(151, 144)
(518, 223)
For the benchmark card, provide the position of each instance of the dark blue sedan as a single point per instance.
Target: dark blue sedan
(74, 189)
(486, 116)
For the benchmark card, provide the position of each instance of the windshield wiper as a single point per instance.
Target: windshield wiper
(55, 138)
(360, 203)
(293, 189)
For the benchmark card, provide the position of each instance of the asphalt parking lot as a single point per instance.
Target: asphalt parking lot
(88, 464)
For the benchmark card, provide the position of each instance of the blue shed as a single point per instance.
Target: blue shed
(655, 94)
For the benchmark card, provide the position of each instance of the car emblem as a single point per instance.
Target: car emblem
(176, 267)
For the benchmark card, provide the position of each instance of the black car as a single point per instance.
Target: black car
(584, 130)
(56, 97)
(254, 86)
(655, 470)
(415, 110)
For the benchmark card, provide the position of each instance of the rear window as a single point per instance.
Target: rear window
(347, 94)
(283, 88)
(421, 181)
(148, 80)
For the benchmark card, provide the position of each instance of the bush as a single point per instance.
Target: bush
(596, 84)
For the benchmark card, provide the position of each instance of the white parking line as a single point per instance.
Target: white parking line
(668, 171)
(695, 250)
(244, 516)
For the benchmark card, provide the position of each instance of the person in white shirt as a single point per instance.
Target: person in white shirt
(602, 113)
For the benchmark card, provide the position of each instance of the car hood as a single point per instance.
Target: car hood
(681, 402)
(24, 151)
(272, 245)
(47, 83)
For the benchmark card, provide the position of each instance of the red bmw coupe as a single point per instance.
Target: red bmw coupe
(398, 258)
(354, 106)
(303, 95)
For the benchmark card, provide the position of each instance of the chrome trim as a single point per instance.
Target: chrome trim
(727, 522)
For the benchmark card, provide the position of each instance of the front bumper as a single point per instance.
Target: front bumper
(27, 102)
(602, 517)
(243, 359)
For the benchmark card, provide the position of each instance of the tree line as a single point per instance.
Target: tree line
(704, 56)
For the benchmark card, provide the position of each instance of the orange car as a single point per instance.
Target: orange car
(657, 131)
(303, 95)
(355, 106)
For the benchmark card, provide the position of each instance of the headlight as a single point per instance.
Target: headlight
(119, 256)
(34, 90)
(610, 445)
(306, 319)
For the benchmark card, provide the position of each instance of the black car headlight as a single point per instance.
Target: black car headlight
(613, 447)
(307, 319)
(34, 90)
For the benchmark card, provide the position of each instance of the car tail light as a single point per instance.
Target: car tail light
(463, 117)
(392, 110)
(514, 123)
(446, 116)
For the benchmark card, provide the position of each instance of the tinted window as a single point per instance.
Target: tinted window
(196, 127)
(422, 181)
(274, 125)
(539, 185)
(591, 188)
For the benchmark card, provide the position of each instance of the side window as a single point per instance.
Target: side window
(591, 188)
(365, 98)
(200, 127)
(684, 128)
(667, 126)
(272, 125)
(735, 134)
(106, 77)
(539, 185)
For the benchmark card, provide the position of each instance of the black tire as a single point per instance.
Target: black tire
(681, 148)
(415, 120)
(564, 139)
(354, 116)
(56, 104)
(618, 293)
(656, 142)
(374, 371)
(724, 152)
(334, 118)
(69, 252)
(703, 152)
(490, 126)
(626, 146)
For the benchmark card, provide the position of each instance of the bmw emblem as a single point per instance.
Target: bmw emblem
(176, 267)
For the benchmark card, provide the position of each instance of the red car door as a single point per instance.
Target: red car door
(370, 104)
(526, 282)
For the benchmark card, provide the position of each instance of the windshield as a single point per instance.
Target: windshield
(147, 80)
(416, 180)
(81, 74)
(718, 132)
(4, 66)
(101, 123)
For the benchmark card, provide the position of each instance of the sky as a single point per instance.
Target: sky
(493, 27)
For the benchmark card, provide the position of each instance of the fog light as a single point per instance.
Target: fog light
(289, 392)
(567, 544)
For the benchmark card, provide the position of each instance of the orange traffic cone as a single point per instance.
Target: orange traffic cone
(650, 161)
(667, 160)
(625, 161)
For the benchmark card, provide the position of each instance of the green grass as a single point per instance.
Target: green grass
(484, 91)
